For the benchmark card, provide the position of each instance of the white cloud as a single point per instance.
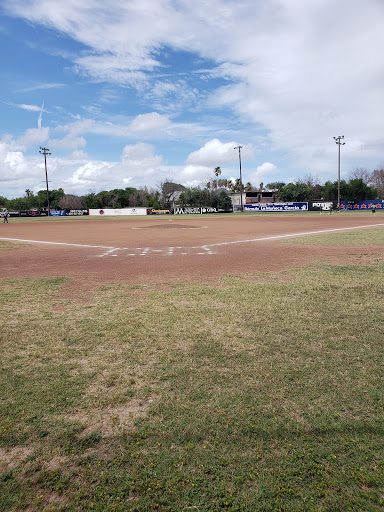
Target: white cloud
(295, 76)
(152, 122)
(216, 153)
(262, 173)
(18, 172)
(90, 174)
(68, 142)
(77, 155)
(33, 137)
(139, 167)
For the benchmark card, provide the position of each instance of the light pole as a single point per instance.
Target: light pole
(339, 143)
(241, 182)
(44, 151)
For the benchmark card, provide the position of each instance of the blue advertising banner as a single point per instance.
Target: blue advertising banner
(276, 207)
(362, 205)
(57, 213)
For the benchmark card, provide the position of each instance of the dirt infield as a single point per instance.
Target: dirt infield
(163, 249)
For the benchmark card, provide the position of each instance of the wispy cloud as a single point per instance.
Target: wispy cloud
(29, 108)
(42, 87)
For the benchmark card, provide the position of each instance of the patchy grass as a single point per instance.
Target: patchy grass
(353, 237)
(9, 245)
(263, 393)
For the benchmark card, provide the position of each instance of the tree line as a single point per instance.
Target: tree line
(215, 192)
(168, 195)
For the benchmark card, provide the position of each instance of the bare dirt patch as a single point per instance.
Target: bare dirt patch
(11, 458)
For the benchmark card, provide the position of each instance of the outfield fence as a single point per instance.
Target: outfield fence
(345, 206)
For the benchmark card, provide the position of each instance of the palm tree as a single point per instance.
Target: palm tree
(28, 193)
(216, 172)
(248, 187)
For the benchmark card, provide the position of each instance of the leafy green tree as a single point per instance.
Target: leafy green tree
(295, 192)
(3, 202)
(358, 191)
(153, 199)
(105, 199)
(18, 204)
(195, 197)
(276, 186)
(55, 196)
(54, 199)
(354, 190)
(224, 201)
(90, 201)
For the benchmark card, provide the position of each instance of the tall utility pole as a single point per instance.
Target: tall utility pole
(339, 143)
(44, 151)
(241, 181)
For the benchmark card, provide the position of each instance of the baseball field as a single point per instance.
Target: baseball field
(201, 363)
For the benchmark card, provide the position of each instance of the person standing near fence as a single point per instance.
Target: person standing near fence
(5, 215)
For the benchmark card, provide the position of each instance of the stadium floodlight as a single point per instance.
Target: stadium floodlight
(44, 151)
(241, 182)
(339, 143)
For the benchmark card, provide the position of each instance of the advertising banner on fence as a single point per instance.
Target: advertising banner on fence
(57, 213)
(118, 211)
(190, 210)
(30, 213)
(322, 205)
(186, 211)
(362, 205)
(276, 207)
(77, 212)
(154, 211)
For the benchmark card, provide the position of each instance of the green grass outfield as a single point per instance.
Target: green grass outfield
(259, 392)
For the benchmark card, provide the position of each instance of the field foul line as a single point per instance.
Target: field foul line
(291, 235)
(170, 251)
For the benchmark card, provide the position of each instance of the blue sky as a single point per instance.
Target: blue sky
(128, 94)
